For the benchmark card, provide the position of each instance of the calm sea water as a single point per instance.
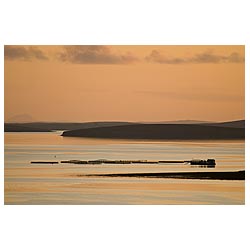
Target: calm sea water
(26, 183)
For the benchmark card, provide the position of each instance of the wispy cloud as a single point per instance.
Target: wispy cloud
(213, 96)
(94, 54)
(25, 53)
(206, 57)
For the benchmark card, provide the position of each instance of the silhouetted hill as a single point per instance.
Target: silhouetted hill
(66, 126)
(47, 126)
(20, 128)
(160, 131)
(230, 124)
(179, 122)
(21, 118)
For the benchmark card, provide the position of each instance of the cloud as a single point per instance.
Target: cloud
(157, 57)
(206, 57)
(213, 96)
(25, 53)
(93, 54)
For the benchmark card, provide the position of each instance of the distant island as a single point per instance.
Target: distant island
(161, 132)
(50, 126)
(188, 130)
(23, 128)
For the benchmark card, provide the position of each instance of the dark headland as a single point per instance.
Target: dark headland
(49, 126)
(161, 132)
(234, 175)
(22, 128)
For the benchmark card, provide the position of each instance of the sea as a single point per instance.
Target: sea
(70, 184)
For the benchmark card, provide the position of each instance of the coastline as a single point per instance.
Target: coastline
(234, 175)
(160, 132)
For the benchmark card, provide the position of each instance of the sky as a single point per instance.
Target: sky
(124, 83)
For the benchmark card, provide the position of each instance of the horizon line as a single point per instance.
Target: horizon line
(181, 120)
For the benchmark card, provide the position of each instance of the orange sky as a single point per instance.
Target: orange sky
(125, 83)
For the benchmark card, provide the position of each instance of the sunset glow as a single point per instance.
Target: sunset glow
(125, 83)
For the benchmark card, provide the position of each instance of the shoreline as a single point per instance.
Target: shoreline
(234, 175)
(160, 132)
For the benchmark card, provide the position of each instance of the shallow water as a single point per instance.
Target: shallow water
(26, 183)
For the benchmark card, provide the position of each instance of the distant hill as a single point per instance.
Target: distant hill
(20, 128)
(179, 122)
(160, 131)
(48, 126)
(64, 126)
(230, 124)
(20, 119)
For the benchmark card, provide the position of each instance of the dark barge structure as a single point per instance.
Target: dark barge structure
(208, 162)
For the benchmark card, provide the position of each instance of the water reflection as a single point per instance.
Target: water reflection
(27, 184)
(202, 166)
